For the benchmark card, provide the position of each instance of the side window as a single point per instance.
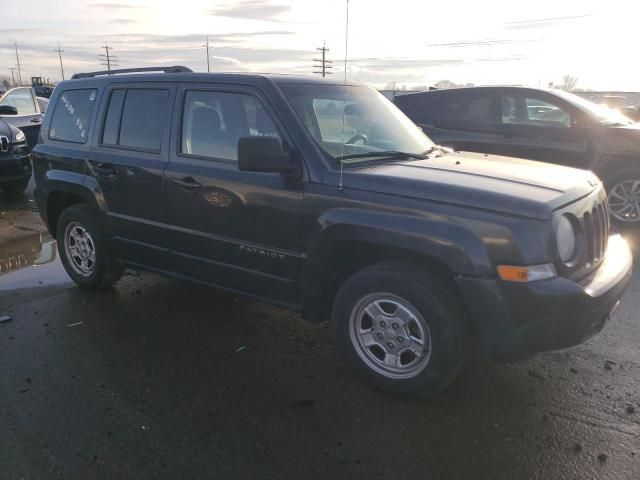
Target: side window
(546, 114)
(213, 122)
(471, 109)
(71, 115)
(520, 110)
(22, 99)
(143, 118)
(111, 130)
(509, 109)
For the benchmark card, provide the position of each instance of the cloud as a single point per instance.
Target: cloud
(251, 9)
(122, 21)
(542, 22)
(116, 6)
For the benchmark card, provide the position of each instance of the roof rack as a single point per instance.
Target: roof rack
(174, 69)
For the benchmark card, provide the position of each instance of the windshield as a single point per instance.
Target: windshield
(348, 121)
(602, 113)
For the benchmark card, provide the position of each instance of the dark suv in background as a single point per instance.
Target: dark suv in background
(548, 125)
(257, 185)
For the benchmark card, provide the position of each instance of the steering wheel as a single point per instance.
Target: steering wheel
(359, 136)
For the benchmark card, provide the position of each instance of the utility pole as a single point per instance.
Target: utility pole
(323, 64)
(206, 45)
(18, 61)
(60, 56)
(13, 77)
(108, 59)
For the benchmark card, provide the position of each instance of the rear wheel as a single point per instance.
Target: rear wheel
(401, 328)
(84, 251)
(623, 192)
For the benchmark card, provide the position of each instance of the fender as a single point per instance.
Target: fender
(62, 181)
(433, 236)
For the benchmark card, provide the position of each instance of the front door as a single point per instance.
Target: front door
(237, 230)
(127, 161)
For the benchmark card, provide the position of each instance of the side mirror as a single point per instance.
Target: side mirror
(8, 110)
(263, 154)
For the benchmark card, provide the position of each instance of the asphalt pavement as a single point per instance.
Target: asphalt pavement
(162, 379)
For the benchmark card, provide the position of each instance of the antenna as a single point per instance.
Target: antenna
(344, 92)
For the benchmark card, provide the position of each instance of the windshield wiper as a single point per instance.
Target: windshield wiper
(391, 154)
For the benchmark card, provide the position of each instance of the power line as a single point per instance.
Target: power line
(18, 61)
(323, 64)
(108, 59)
(206, 45)
(60, 56)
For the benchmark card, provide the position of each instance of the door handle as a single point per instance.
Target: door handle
(35, 120)
(188, 183)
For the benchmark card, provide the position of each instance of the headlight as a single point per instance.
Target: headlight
(565, 239)
(20, 136)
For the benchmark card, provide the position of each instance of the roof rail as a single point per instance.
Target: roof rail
(174, 69)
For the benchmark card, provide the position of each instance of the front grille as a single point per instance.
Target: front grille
(595, 225)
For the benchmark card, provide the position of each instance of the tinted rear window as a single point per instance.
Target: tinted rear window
(143, 118)
(70, 121)
(111, 131)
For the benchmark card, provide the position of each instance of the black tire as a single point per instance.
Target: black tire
(610, 181)
(16, 188)
(434, 301)
(106, 269)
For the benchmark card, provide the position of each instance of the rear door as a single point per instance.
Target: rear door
(539, 126)
(238, 230)
(131, 150)
(467, 120)
(29, 117)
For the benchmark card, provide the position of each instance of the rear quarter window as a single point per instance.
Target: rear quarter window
(71, 115)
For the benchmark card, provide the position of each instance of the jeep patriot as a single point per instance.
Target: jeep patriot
(323, 198)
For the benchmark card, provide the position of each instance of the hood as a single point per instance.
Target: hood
(501, 184)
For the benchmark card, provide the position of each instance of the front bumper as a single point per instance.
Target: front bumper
(516, 320)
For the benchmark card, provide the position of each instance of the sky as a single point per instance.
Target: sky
(411, 43)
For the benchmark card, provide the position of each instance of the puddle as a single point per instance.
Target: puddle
(31, 261)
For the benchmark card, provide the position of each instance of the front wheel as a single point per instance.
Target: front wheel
(401, 328)
(84, 251)
(623, 192)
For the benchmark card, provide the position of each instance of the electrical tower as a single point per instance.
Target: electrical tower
(108, 59)
(18, 62)
(60, 57)
(322, 65)
(13, 77)
(206, 45)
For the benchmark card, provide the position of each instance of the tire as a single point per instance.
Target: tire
(16, 188)
(78, 236)
(414, 305)
(621, 186)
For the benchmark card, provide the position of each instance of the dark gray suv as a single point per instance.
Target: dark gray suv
(261, 186)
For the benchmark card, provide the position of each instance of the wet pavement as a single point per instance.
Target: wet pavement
(158, 378)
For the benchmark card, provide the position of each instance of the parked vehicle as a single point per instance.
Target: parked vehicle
(259, 185)
(28, 116)
(40, 88)
(548, 125)
(15, 167)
